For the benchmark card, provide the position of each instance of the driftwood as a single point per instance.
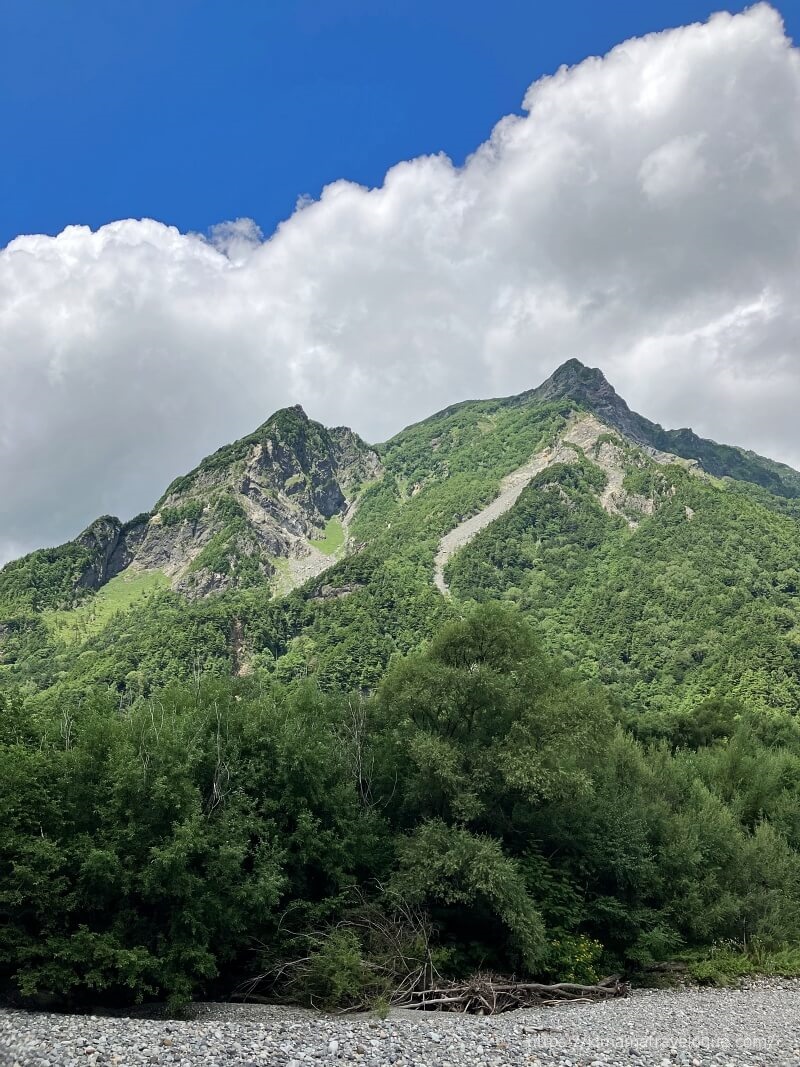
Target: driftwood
(490, 994)
(398, 968)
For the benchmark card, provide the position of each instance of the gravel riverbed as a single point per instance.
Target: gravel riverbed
(757, 1026)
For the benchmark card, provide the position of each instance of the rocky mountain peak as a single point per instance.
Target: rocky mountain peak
(268, 496)
(589, 387)
(575, 381)
(293, 414)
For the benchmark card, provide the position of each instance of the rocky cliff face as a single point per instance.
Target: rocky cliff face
(243, 513)
(111, 545)
(588, 387)
(263, 499)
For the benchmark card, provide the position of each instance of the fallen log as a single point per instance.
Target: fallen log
(488, 994)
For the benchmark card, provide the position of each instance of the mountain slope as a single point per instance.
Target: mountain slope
(269, 497)
(583, 435)
(664, 565)
(588, 387)
(698, 599)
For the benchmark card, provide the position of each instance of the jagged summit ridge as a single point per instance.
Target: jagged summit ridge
(573, 376)
(252, 504)
(263, 498)
(589, 387)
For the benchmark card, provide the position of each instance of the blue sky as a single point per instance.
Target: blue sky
(193, 111)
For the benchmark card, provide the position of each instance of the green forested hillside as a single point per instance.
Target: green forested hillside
(697, 600)
(256, 701)
(700, 600)
(191, 841)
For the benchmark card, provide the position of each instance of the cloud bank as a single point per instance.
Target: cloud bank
(643, 214)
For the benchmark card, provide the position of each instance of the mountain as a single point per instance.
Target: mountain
(531, 668)
(282, 494)
(587, 386)
(279, 495)
(662, 564)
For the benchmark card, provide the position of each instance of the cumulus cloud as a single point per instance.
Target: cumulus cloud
(643, 214)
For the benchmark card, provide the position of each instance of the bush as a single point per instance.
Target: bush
(574, 958)
(727, 963)
(336, 975)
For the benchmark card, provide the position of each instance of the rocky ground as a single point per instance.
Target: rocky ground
(756, 1026)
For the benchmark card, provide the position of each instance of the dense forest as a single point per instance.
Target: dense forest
(218, 774)
(207, 834)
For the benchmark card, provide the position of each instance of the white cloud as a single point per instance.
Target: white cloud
(237, 239)
(674, 170)
(644, 215)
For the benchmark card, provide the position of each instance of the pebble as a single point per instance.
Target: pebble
(757, 1026)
